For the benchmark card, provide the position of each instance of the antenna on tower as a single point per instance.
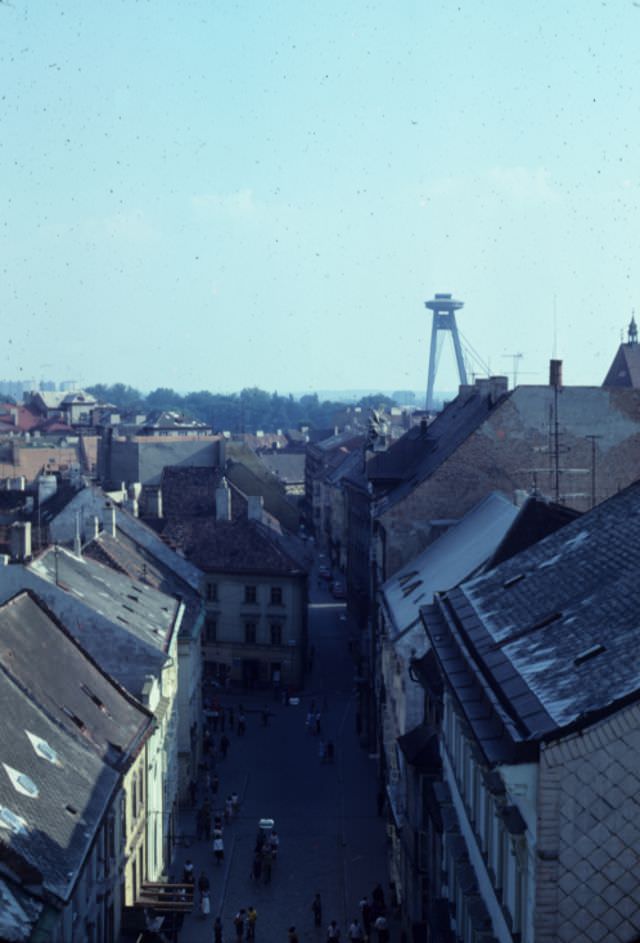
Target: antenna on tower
(555, 327)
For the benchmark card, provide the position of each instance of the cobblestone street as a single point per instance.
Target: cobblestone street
(331, 839)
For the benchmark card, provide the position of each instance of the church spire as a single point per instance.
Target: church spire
(632, 331)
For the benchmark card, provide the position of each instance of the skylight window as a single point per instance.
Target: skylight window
(43, 749)
(21, 782)
(13, 822)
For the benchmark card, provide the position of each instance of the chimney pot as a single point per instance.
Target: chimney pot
(255, 503)
(555, 373)
(223, 501)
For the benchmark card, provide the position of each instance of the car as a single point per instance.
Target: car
(338, 590)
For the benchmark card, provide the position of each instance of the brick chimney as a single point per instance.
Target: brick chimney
(223, 501)
(154, 502)
(110, 520)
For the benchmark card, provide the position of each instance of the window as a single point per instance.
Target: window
(212, 592)
(250, 633)
(210, 629)
(276, 633)
(276, 595)
(250, 594)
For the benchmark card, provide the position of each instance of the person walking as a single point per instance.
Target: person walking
(188, 873)
(228, 809)
(333, 932)
(252, 916)
(218, 846)
(235, 804)
(256, 867)
(292, 936)
(366, 914)
(382, 928)
(242, 725)
(215, 784)
(204, 885)
(377, 896)
(316, 909)
(225, 743)
(217, 930)
(267, 863)
(238, 923)
(355, 931)
(205, 905)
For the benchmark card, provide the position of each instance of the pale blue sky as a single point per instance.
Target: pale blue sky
(206, 194)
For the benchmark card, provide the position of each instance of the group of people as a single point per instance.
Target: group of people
(372, 917)
(265, 855)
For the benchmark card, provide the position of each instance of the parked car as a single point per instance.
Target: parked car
(338, 590)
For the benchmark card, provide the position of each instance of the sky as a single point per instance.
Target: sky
(208, 194)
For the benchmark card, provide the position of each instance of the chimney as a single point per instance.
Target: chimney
(482, 386)
(96, 526)
(20, 540)
(154, 502)
(519, 497)
(498, 386)
(223, 501)
(555, 374)
(255, 503)
(77, 541)
(110, 520)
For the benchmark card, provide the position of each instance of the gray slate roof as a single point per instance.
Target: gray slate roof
(62, 800)
(124, 625)
(551, 635)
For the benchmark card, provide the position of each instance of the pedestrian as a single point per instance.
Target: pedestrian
(188, 873)
(225, 743)
(366, 914)
(242, 725)
(215, 784)
(377, 896)
(275, 845)
(256, 868)
(238, 923)
(318, 726)
(265, 717)
(193, 792)
(252, 916)
(215, 717)
(206, 741)
(205, 905)
(310, 718)
(267, 864)
(235, 804)
(228, 809)
(218, 847)
(204, 885)
(333, 932)
(217, 930)
(382, 928)
(330, 751)
(293, 936)
(316, 908)
(355, 931)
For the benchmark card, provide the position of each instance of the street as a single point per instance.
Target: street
(331, 839)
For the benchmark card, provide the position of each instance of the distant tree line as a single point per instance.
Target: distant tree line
(246, 411)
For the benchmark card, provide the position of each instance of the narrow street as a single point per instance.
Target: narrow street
(331, 839)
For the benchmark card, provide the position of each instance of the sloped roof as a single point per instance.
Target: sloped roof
(287, 466)
(419, 452)
(448, 560)
(131, 558)
(56, 824)
(625, 369)
(42, 657)
(554, 629)
(239, 546)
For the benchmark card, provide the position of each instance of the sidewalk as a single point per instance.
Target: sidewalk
(331, 840)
